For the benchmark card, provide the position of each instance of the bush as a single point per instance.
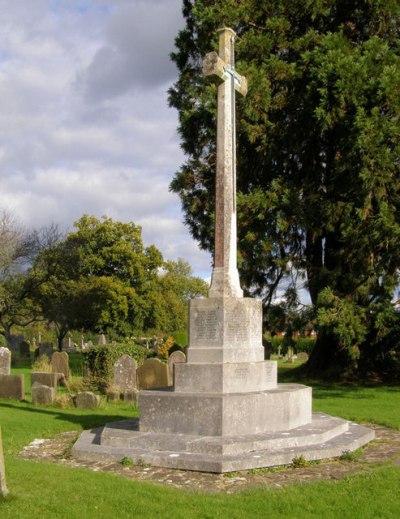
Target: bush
(42, 364)
(101, 359)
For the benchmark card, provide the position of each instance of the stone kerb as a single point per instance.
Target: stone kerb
(12, 386)
(3, 486)
(176, 357)
(153, 374)
(5, 361)
(42, 395)
(60, 363)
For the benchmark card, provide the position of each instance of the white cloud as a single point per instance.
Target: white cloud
(84, 125)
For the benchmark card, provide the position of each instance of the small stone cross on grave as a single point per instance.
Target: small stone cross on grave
(225, 276)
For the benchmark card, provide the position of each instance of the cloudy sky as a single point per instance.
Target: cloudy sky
(84, 122)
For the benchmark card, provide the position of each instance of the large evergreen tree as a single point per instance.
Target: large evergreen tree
(318, 157)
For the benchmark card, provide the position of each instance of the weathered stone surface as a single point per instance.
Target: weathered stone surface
(5, 361)
(125, 373)
(42, 395)
(113, 395)
(24, 349)
(176, 357)
(153, 374)
(13, 342)
(45, 348)
(44, 378)
(3, 486)
(303, 356)
(131, 395)
(60, 363)
(87, 400)
(225, 329)
(12, 386)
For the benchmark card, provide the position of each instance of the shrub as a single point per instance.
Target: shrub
(42, 364)
(100, 360)
(164, 347)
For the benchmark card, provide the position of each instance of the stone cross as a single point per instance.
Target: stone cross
(225, 276)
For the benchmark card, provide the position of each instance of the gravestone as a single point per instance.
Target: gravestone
(226, 410)
(44, 378)
(125, 373)
(45, 348)
(303, 356)
(3, 486)
(12, 386)
(5, 361)
(153, 374)
(131, 395)
(42, 395)
(176, 357)
(24, 349)
(87, 400)
(60, 363)
(102, 340)
(13, 341)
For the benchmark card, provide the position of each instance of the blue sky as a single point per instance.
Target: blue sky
(85, 126)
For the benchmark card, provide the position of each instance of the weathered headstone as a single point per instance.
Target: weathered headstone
(5, 361)
(12, 386)
(3, 486)
(102, 340)
(13, 342)
(24, 349)
(153, 374)
(60, 363)
(303, 356)
(42, 395)
(176, 357)
(87, 400)
(45, 348)
(44, 378)
(131, 395)
(125, 373)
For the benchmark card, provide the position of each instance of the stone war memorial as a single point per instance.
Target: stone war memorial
(226, 410)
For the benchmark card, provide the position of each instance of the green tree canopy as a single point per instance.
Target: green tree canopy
(318, 142)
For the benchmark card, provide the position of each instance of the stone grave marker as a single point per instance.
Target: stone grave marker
(87, 400)
(44, 378)
(13, 342)
(24, 349)
(125, 373)
(3, 486)
(303, 356)
(5, 361)
(102, 340)
(60, 363)
(176, 357)
(153, 374)
(42, 395)
(45, 348)
(12, 386)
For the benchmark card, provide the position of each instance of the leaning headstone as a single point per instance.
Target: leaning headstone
(12, 386)
(42, 395)
(5, 361)
(87, 400)
(24, 349)
(45, 348)
(60, 363)
(125, 373)
(3, 486)
(176, 357)
(153, 374)
(44, 378)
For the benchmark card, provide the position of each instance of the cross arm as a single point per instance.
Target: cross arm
(214, 65)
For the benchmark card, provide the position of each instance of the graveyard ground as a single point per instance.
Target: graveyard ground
(48, 485)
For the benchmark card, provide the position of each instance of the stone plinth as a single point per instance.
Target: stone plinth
(223, 329)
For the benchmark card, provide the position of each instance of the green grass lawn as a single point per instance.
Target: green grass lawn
(43, 490)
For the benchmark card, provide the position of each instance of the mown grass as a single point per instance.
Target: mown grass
(43, 490)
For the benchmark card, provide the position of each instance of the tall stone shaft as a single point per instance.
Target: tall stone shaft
(225, 276)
